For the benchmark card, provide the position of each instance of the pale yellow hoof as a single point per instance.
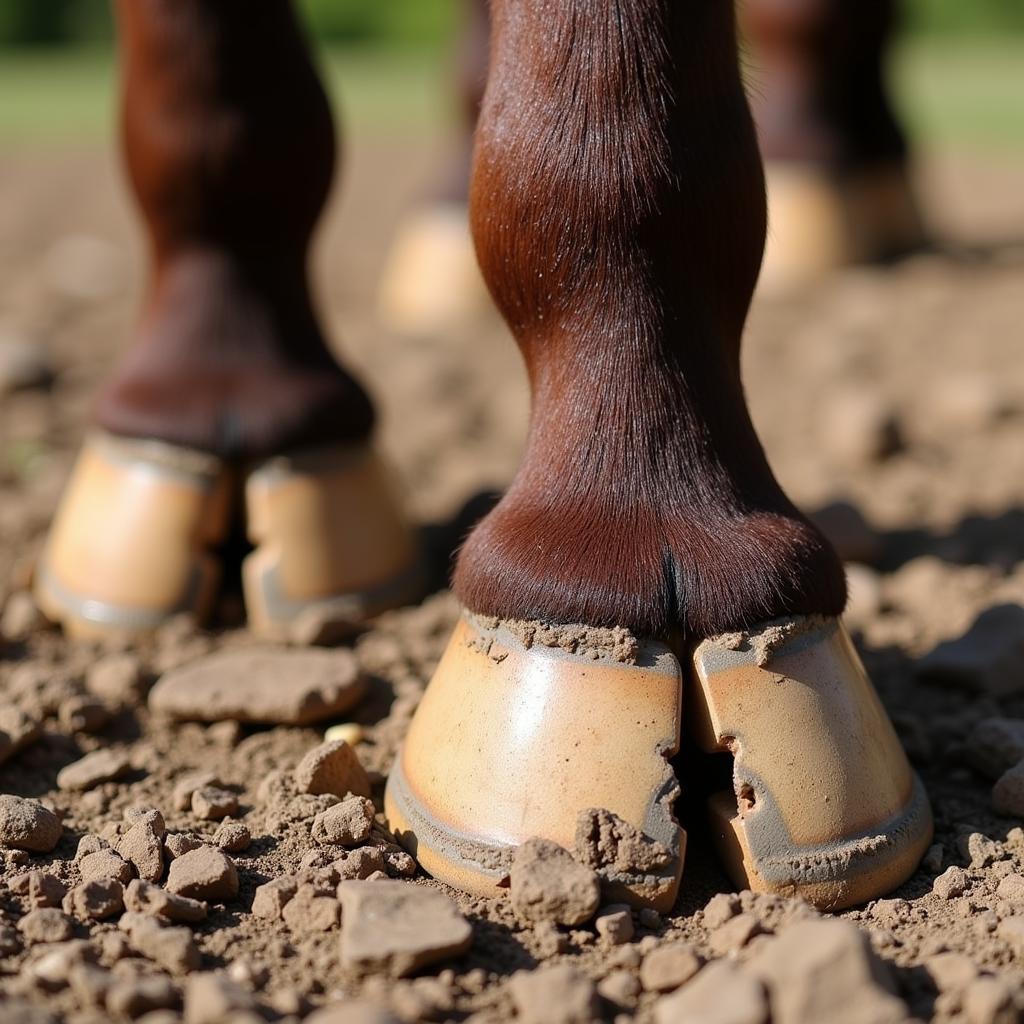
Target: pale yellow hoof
(818, 222)
(332, 548)
(825, 804)
(517, 736)
(129, 546)
(431, 282)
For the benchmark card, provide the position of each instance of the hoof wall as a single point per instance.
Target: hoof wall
(129, 546)
(825, 804)
(515, 739)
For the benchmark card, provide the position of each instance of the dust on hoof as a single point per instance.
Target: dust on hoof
(286, 687)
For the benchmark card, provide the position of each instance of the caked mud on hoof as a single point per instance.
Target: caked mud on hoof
(826, 805)
(129, 546)
(531, 731)
(818, 222)
(431, 281)
(135, 540)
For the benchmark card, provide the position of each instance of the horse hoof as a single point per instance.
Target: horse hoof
(516, 739)
(331, 546)
(128, 547)
(432, 282)
(825, 805)
(818, 222)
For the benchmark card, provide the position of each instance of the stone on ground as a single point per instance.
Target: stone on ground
(17, 730)
(996, 745)
(722, 993)
(212, 998)
(270, 898)
(398, 928)
(143, 897)
(27, 825)
(99, 766)
(274, 687)
(39, 888)
(142, 846)
(332, 768)
(47, 924)
(667, 967)
(311, 910)
(203, 874)
(211, 803)
(547, 884)
(172, 948)
(559, 994)
(105, 864)
(345, 824)
(614, 924)
(95, 900)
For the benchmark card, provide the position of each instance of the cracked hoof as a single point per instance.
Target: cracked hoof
(826, 805)
(128, 547)
(331, 546)
(818, 222)
(524, 731)
(432, 282)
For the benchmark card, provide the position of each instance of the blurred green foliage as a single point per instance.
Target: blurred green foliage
(417, 23)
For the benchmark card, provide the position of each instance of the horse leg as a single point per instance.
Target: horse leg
(618, 211)
(230, 151)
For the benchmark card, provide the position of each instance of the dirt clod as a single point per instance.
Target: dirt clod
(143, 897)
(48, 924)
(345, 824)
(39, 888)
(560, 994)
(332, 768)
(547, 884)
(722, 993)
(99, 766)
(17, 730)
(667, 967)
(27, 825)
(210, 803)
(203, 874)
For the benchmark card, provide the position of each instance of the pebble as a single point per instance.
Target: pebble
(204, 874)
(211, 803)
(232, 837)
(274, 687)
(559, 994)
(270, 898)
(620, 988)
(115, 678)
(332, 768)
(547, 884)
(988, 658)
(99, 766)
(360, 863)
(399, 928)
(345, 824)
(667, 967)
(181, 795)
(17, 730)
(81, 713)
(824, 970)
(145, 994)
(172, 948)
(351, 732)
(722, 993)
(103, 865)
(951, 883)
(310, 909)
(212, 998)
(996, 745)
(90, 844)
(720, 908)
(27, 825)
(142, 846)
(146, 898)
(95, 900)
(177, 844)
(40, 888)
(1011, 887)
(1008, 792)
(735, 933)
(48, 924)
(614, 924)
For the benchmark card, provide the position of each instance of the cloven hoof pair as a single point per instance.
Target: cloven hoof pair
(526, 729)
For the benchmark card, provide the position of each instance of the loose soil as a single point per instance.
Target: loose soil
(926, 354)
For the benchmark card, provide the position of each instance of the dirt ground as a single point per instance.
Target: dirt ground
(900, 391)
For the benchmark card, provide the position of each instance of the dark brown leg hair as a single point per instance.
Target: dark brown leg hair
(619, 216)
(230, 150)
(818, 80)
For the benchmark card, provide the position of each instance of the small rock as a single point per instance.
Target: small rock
(145, 898)
(274, 687)
(360, 863)
(1011, 888)
(17, 730)
(204, 874)
(735, 933)
(270, 898)
(620, 988)
(311, 910)
(996, 745)
(143, 847)
(1008, 792)
(81, 713)
(99, 766)
(46, 925)
(55, 967)
(332, 768)
(171, 948)
(27, 825)
(232, 837)
(345, 824)
(548, 885)
(90, 844)
(211, 804)
(40, 888)
(148, 816)
(614, 924)
(816, 970)
(559, 994)
(181, 795)
(988, 658)
(214, 998)
(722, 993)
(934, 858)
(398, 928)
(720, 908)
(95, 900)
(144, 994)
(667, 967)
(177, 844)
(951, 883)
(979, 849)
(115, 679)
(103, 865)
(351, 732)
